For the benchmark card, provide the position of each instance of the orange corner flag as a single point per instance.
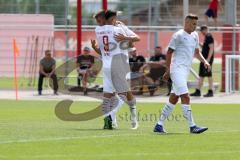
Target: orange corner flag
(15, 55)
(15, 48)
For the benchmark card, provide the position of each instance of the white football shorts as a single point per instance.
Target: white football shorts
(115, 78)
(179, 77)
(107, 81)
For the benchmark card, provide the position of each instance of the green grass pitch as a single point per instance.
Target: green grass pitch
(30, 130)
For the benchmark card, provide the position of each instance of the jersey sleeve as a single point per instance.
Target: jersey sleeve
(197, 43)
(127, 31)
(54, 61)
(173, 42)
(79, 59)
(41, 62)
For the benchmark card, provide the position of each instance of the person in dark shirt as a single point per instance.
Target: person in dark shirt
(157, 64)
(135, 61)
(156, 67)
(47, 69)
(208, 54)
(84, 68)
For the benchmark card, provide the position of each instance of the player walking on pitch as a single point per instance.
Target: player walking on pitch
(182, 48)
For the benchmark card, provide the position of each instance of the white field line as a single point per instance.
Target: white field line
(65, 138)
(220, 98)
(104, 136)
(139, 154)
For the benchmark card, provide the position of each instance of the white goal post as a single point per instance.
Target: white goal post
(232, 61)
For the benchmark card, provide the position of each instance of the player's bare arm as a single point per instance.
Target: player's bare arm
(121, 37)
(120, 22)
(199, 56)
(210, 53)
(166, 75)
(95, 47)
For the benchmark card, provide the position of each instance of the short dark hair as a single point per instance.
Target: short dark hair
(99, 14)
(47, 51)
(109, 14)
(203, 27)
(191, 16)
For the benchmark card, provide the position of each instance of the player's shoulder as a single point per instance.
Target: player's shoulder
(104, 28)
(179, 33)
(42, 60)
(209, 35)
(117, 28)
(109, 28)
(195, 34)
(209, 38)
(98, 28)
(121, 25)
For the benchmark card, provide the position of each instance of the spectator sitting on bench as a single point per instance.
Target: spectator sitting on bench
(156, 67)
(84, 68)
(136, 62)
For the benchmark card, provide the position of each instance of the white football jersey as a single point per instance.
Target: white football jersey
(107, 44)
(127, 31)
(184, 45)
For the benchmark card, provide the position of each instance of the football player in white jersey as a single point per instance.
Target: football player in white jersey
(116, 102)
(115, 65)
(182, 48)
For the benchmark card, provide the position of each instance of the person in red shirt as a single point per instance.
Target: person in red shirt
(212, 10)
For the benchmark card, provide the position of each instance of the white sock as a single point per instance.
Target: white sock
(106, 108)
(118, 104)
(166, 111)
(113, 116)
(187, 113)
(133, 110)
